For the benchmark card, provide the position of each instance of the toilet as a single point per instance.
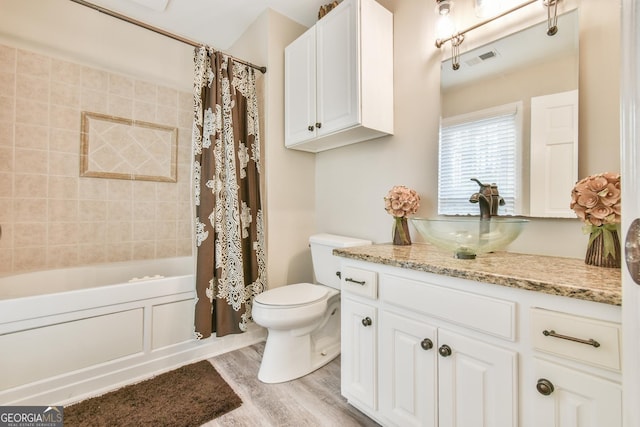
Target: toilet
(303, 319)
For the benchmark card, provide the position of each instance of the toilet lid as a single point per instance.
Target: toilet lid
(292, 295)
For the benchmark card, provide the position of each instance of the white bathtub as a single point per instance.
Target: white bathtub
(71, 333)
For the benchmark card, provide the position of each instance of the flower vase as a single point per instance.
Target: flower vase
(401, 231)
(603, 249)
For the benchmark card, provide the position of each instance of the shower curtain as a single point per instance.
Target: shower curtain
(231, 265)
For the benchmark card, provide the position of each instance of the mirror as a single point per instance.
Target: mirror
(514, 69)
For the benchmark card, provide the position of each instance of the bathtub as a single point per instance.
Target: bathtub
(69, 334)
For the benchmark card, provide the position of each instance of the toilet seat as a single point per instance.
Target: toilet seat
(297, 295)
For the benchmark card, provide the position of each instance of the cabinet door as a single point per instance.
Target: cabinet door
(408, 376)
(577, 399)
(358, 371)
(300, 89)
(337, 76)
(476, 383)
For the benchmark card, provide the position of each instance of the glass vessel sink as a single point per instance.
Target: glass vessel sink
(468, 236)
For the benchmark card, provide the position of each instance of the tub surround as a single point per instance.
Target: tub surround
(568, 277)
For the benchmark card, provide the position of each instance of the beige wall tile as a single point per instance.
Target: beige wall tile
(166, 230)
(185, 120)
(167, 191)
(120, 106)
(65, 164)
(6, 260)
(31, 186)
(29, 234)
(144, 210)
(144, 250)
(144, 230)
(6, 159)
(31, 161)
(92, 254)
(145, 92)
(30, 210)
(167, 96)
(66, 141)
(184, 247)
(121, 85)
(32, 136)
(6, 240)
(7, 109)
(92, 188)
(6, 211)
(144, 191)
(119, 189)
(61, 210)
(8, 59)
(64, 117)
(29, 259)
(33, 64)
(63, 187)
(119, 210)
(166, 211)
(95, 79)
(94, 101)
(6, 134)
(8, 84)
(6, 185)
(94, 233)
(184, 230)
(93, 210)
(166, 249)
(119, 252)
(32, 87)
(118, 232)
(185, 102)
(167, 116)
(62, 233)
(144, 111)
(33, 112)
(65, 94)
(62, 256)
(66, 72)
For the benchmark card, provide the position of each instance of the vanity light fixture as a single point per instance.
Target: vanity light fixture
(443, 9)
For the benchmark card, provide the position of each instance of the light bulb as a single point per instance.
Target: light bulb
(443, 7)
(445, 27)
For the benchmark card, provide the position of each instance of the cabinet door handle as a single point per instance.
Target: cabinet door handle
(445, 350)
(426, 344)
(366, 321)
(544, 387)
(359, 282)
(318, 125)
(310, 128)
(553, 333)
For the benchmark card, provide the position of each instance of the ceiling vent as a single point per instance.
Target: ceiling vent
(481, 58)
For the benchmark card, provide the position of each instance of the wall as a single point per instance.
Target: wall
(50, 71)
(352, 181)
(289, 174)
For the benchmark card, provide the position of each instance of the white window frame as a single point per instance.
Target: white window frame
(454, 176)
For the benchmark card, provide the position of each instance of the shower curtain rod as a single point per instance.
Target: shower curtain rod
(158, 30)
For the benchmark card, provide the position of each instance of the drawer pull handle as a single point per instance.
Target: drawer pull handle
(544, 387)
(552, 333)
(426, 344)
(359, 282)
(367, 321)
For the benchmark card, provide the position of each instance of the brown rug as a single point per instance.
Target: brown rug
(188, 396)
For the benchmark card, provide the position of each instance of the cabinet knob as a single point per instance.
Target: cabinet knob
(318, 125)
(444, 350)
(310, 128)
(366, 321)
(544, 387)
(426, 344)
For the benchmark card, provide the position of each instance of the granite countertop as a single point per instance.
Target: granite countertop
(568, 277)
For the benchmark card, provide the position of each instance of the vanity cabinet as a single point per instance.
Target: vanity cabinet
(568, 394)
(423, 349)
(339, 78)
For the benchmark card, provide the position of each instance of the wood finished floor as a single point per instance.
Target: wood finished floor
(313, 400)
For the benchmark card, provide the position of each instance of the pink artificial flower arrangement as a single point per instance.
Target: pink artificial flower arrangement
(596, 199)
(401, 201)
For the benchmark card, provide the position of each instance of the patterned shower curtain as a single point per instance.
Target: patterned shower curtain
(231, 265)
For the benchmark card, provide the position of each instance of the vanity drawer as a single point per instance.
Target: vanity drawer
(590, 341)
(360, 282)
(486, 314)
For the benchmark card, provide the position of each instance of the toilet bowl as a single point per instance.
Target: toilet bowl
(303, 319)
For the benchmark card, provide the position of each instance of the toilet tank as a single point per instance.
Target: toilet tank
(325, 265)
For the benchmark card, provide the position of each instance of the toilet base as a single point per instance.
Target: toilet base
(288, 355)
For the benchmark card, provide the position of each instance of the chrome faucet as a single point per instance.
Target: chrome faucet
(488, 198)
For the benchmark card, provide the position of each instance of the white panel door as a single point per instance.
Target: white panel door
(408, 378)
(577, 399)
(554, 153)
(300, 89)
(359, 344)
(477, 383)
(338, 70)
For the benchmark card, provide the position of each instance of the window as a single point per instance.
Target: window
(486, 145)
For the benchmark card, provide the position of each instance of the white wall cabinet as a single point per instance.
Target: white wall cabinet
(339, 79)
(447, 352)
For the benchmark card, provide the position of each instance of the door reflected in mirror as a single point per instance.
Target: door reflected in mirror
(514, 69)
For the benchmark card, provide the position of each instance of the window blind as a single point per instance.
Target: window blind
(483, 145)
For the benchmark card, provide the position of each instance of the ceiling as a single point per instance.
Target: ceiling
(217, 23)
